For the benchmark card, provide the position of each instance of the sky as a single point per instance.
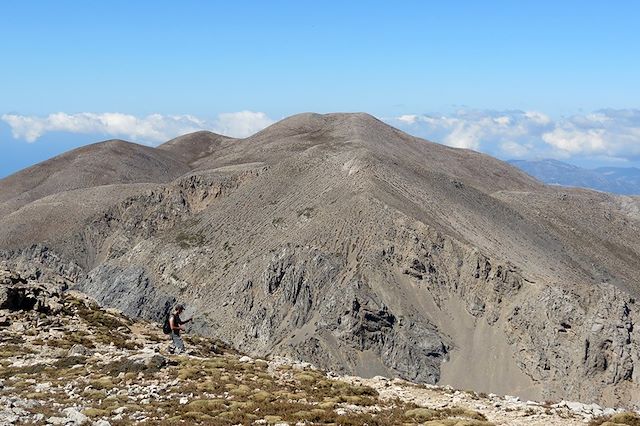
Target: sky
(543, 79)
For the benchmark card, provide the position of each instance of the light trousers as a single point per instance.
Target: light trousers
(178, 343)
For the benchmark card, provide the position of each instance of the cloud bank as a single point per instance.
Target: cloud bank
(609, 134)
(241, 124)
(154, 128)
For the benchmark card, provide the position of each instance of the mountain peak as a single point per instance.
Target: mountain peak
(193, 146)
(342, 123)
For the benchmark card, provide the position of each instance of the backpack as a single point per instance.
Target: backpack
(166, 327)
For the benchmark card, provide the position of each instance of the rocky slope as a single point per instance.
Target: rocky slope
(341, 241)
(65, 361)
(108, 162)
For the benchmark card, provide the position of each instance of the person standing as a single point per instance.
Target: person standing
(177, 325)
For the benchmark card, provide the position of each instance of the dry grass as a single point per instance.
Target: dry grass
(629, 419)
(220, 390)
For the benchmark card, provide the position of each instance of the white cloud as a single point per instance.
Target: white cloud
(242, 124)
(574, 141)
(605, 134)
(609, 133)
(409, 118)
(153, 128)
(471, 129)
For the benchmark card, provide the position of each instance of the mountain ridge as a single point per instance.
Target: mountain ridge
(618, 180)
(343, 241)
(109, 162)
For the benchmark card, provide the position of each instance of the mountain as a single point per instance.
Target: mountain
(194, 146)
(103, 163)
(339, 240)
(83, 364)
(617, 180)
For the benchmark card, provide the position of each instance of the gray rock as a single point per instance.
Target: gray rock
(8, 418)
(16, 294)
(4, 297)
(79, 350)
(149, 360)
(74, 416)
(576, 407)
(130, 290)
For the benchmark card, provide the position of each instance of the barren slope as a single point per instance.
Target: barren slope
(104, 163)
(194, 146)
(340, 240)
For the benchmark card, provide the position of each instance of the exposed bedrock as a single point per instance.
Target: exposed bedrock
(307, 303)
(128, 289)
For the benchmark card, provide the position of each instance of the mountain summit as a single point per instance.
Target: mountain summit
(342, 241)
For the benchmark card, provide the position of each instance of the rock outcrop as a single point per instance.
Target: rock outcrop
(18, 294)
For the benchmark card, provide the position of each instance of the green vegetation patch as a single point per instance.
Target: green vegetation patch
(70, 361)
(8, 350)
(131, 368)
(437, 416)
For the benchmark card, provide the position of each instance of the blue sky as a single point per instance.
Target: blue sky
(464, 64)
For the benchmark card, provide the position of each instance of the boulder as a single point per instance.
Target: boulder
(149, 360)
(75, 417)
(4, 296)
(23, 296)
(79, 350)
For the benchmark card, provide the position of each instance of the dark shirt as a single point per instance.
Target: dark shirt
(177, 322)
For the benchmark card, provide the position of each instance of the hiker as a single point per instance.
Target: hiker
(175, 326)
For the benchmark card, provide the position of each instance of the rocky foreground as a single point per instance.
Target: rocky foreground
(66, 361)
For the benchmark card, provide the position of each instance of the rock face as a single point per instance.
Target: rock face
(18, 294)
(338, 240)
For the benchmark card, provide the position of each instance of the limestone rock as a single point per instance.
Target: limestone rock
(79, 350)
(75, 417)
(149, 360)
